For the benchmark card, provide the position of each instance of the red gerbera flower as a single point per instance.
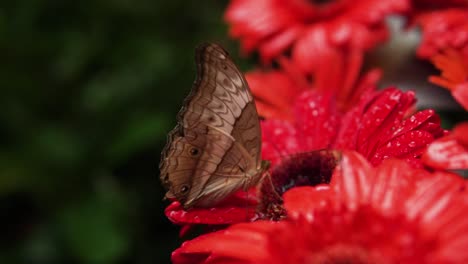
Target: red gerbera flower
(454, 76)
(442, 30)
(309, 28)
(376, 127)
(389, 214)
(449, 152)
(275, 91)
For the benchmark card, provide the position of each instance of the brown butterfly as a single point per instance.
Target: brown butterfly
(214, 150)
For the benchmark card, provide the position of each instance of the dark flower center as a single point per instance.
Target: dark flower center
(302, 169)
(321, 2)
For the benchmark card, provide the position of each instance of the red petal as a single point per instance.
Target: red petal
(446, 153)
(385, 187)
(450, 222)
(316, 120)
(393, 182)
(374, 11)
(460, 93)
(442, 29)
(253, 21)
(279, 138)
(373, 121)
(439, 204)
(237, 208)
(382, 115)
(260, 18)
(423, 120)
(233, 245)
(351, 73)
(303, 201)
(285, 90)
(333, 67)
(349, 129)
(268, 111)
(351, 179)
(410, 145)
(460, 132)
(278, 43)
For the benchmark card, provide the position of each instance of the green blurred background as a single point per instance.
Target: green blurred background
(89, 91)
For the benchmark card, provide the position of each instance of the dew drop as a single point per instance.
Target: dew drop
(309, 217)
(294, 214)
(196, 219)
(277, 131)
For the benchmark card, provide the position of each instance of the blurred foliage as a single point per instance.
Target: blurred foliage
(89, 91)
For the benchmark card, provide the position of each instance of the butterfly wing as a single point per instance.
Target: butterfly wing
(216, 143)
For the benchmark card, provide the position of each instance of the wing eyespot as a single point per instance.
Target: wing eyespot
(194, 152)
(184, 189)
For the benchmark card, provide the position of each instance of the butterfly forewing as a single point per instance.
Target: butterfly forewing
(215, 148)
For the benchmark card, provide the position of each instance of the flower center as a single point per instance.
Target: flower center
(302, 169)
(320, 2)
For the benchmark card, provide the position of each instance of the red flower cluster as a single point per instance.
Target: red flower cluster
(276, 91)
(443, 29)
(450, 152)
(310, 29)
(388, 214)
(358, 175)
(454, 67)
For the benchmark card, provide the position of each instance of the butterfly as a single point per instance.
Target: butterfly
(214, 150)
